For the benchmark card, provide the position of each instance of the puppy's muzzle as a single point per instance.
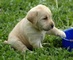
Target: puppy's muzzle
(52, 25)
(49, 27)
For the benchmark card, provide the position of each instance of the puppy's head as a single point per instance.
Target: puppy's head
(41, 17)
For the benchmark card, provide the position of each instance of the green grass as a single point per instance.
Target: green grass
(12, 11)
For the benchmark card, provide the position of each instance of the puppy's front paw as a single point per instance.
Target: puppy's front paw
(62, 34)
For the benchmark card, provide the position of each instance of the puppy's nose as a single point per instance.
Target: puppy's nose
(52, 25)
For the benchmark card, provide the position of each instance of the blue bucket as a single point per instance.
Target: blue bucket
(68, 41)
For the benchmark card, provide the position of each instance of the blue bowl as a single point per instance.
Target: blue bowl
(68, 41)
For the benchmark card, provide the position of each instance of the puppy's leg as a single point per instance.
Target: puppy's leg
(56, 31)
(17, 44)
(37, 44)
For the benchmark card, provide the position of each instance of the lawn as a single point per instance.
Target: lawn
(12, 11)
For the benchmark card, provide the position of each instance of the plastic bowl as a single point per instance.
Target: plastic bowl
(68, 41)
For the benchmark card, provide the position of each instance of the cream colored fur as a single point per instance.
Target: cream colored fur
(31, 30)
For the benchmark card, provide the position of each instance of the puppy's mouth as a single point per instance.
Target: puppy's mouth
(47, 29)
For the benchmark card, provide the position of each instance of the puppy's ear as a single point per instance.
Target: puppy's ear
(31, 16)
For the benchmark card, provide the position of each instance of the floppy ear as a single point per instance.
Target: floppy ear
(31, 16)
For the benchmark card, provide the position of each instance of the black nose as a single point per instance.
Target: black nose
(52, 25)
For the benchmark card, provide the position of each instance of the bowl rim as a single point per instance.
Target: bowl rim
(71, 28)
(70, 40)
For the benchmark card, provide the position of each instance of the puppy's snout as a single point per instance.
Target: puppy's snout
(52, 25)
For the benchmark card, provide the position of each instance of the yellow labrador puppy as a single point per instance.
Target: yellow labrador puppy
(31, 30)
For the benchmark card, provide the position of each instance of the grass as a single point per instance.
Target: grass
(12, 11)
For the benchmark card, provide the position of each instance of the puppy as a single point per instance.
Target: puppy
(31, 30)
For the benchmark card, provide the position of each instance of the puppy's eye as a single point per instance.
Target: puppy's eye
(45, 18)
